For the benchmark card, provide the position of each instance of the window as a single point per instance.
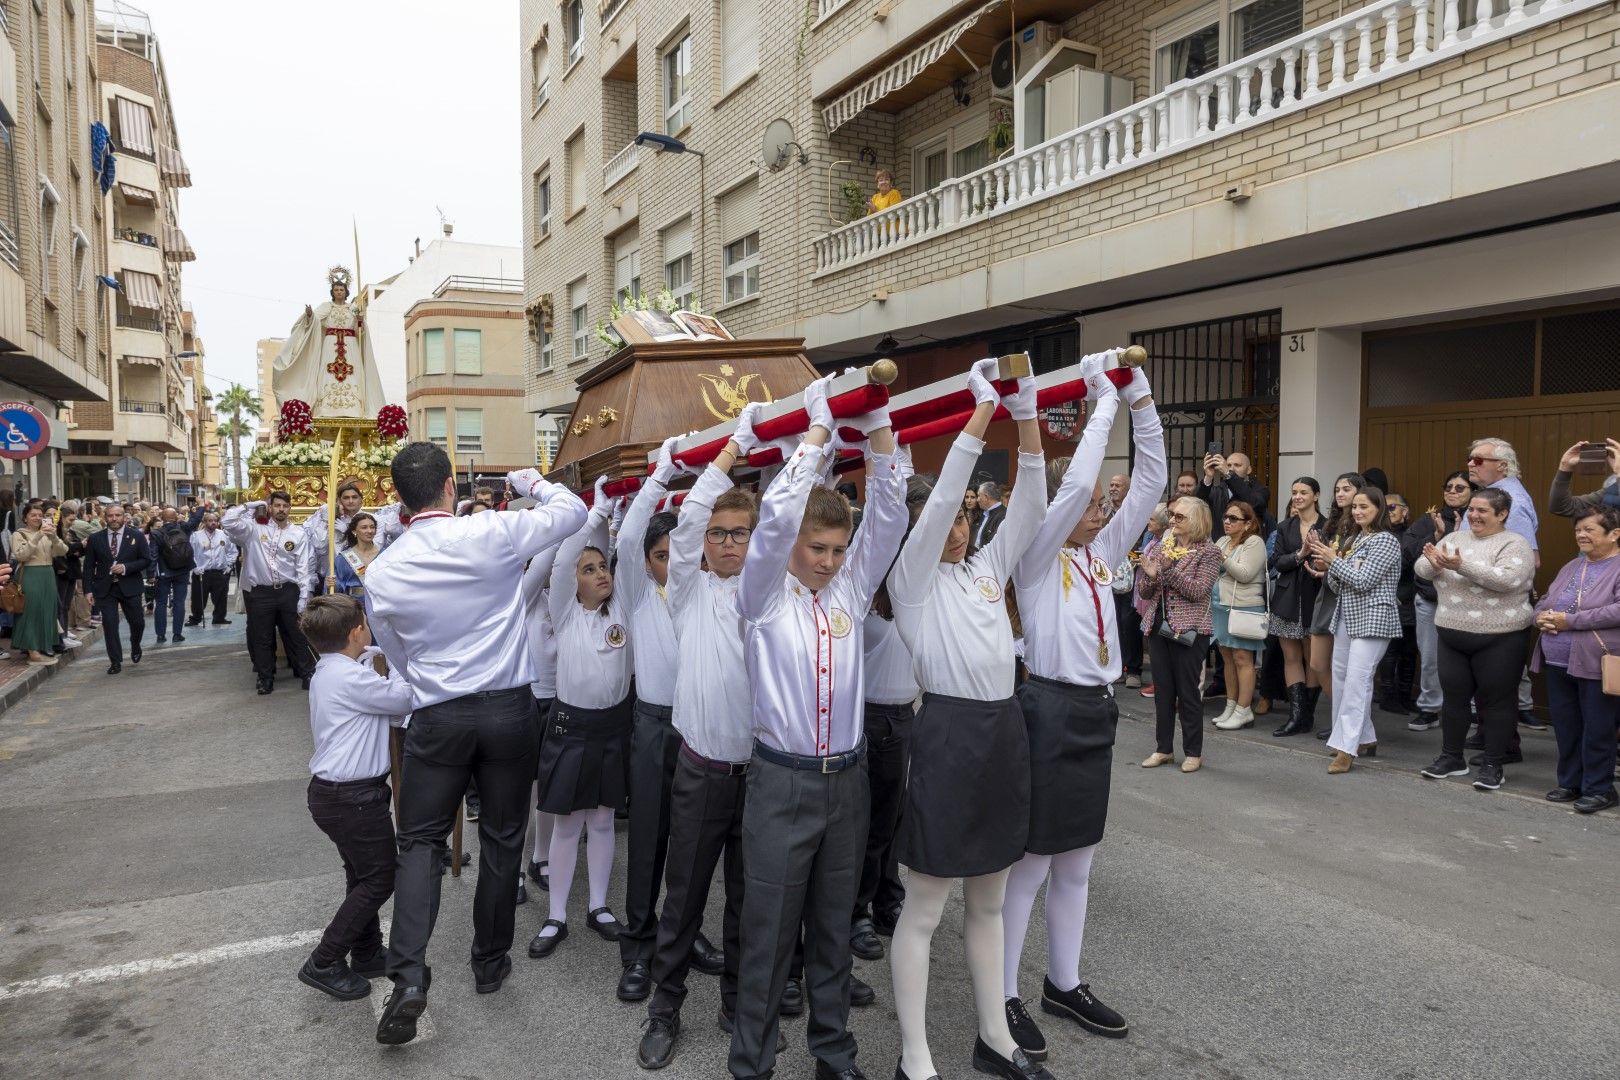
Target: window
(133, 129)
(542, 203)
(678, 262)
(739, 236)
(433, 352)
(434, 421)
(469, 346)
(539, 75)
(574, 150)
(677, 67)
(1218, 33)
(9, 226)
(573, 19)
(739, 41)
(469, 431)
(49, 203)
(546, 339)
(627, 265)
(931, 164)
(545, 444)
(580, 316)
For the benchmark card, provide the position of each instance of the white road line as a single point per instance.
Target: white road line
(136, 968)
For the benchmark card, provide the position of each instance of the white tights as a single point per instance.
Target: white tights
(982, 940)
(1066, 895)
(597, 825)
(542, 827)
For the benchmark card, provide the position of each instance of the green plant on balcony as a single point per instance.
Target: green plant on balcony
(854, 197)
(1000, 137)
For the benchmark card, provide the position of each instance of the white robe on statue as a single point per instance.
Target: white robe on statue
(328, 364)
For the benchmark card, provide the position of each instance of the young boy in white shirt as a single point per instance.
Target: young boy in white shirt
(351, 708)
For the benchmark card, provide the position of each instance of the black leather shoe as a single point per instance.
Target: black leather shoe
(1017, 1067)
(161, 640)
(657, 1041)
(864, 942)
(134, 654)
(1084, 1009)
(193, 622)
(113, 669)
(1591, 804)
(538, 875)
(792, 998)
(1562, 794)
(523, 892)
(900, 1072)
(502, 970)
(265, 686)
(178, 638)
(635, 982)
(334, 979)
(398, 1023)
(369, 967)
(606, 929)
(861, 993)
(825, 1071)
(706, 958)
(544, 944)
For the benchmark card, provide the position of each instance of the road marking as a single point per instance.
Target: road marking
(137, 968)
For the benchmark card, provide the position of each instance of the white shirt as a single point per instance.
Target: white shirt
(593, 646)
(350, 710)
(213, 550)
(890, 679)
(389, 527)
(713, 706)
(271, 554)
(315, 526)
(1055, 582)
(537, 620)
(656, 654)
(805, 649)
(952, 616)
(446, 599)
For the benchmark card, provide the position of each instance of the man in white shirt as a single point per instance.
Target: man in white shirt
(215, 556)
(445, 602)
(276, 583)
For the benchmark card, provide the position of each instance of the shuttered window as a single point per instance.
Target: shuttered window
(739, 41)
(739, 239)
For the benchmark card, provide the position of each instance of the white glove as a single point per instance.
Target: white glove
(1099, 386)
(526, 481)
(747, 442)
(665, 467)
(1021, 404)
(981, 381)
(1138, 388)
(868, 422)
(602, 503)
(815, 404)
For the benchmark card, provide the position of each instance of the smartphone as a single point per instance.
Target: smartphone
(1594, 458)
(1215, 448)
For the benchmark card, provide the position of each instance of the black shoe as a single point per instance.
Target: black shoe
(657, 1041)
(1084, 1009)
(1324, 735)
(502, 970)
(861, 993)
(729, 1023)
(538, 875)
(113, 669)
(635, 982)
(398, 1023)
(1024, 1032)
(706, 958)
(1298, 722)
(220, 622)
(1444, 766)
(1591, 804)
(134, 654)
(1531, 720)
(864, 942)
(1489, 778)
(1018, 1067)
(161, 640)
(193, 622)
(178, 638)
(523, 892)
(608, 929)
(825, 1071)
(370, 967)
(900, 1072)
(334, 979)
(265, 685)
(473, 808)
(1476, 740)
(1425, 721)
(1511, 757)
(545, 944)
(1563, 794)
(792, 998)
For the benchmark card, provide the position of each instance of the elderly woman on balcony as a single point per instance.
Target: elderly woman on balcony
(887, 194)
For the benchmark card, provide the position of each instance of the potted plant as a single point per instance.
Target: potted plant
(854, 198)
(1000, 137)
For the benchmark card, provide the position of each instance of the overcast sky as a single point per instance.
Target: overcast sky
(297, 117)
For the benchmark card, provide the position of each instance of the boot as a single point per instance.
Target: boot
(1339, 764)
(1226, 713)
(1313, 694)
(1297, 722)
(1241, 717)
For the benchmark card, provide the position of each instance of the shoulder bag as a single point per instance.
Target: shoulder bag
(1250, 625)
(1165, 630)
(1608, 664)
(11, 593)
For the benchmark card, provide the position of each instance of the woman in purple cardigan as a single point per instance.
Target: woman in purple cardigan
(1579, 620)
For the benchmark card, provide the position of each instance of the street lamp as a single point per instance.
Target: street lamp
(662, 143)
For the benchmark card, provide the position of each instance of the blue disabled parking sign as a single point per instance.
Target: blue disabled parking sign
(24, 430)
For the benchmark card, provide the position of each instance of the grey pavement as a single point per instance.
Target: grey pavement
(160, 883)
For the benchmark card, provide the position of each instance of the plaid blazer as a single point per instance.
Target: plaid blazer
(1366, 580)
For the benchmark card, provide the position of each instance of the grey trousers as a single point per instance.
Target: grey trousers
(803, 839)
(1428, 645)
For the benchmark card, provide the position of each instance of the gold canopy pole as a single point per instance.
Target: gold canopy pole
(331, 510)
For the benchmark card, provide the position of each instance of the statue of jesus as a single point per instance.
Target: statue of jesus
(327, 361)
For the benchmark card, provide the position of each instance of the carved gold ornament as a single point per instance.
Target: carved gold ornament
(607, 415)
(733, 397)
(582, 425)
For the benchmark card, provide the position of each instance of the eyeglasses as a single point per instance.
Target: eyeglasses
(1178, 517)
(738, 536)
(1235, 517)
(1478, 460)
(1456, 489)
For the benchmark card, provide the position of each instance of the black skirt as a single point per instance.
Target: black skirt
(585, 758)
(1071, 756)
(967, 793)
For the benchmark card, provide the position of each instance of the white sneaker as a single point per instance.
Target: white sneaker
(70, 642)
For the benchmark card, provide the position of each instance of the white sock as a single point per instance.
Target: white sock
(1023, 882)
(982, 898)
(908, 964)
(1066, 895)
(564, 854)
(599, 855)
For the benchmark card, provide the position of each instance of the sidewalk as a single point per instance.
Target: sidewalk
(18, 677)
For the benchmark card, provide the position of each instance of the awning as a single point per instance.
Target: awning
(175, 245)
(139, 196)
(848, 105)
(135, 128)
(143, 290)
(143, 361)
(173, 167)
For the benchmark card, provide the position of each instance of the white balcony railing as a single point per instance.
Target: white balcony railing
(1383, 40)
(610, 10)
(620, 165)
(825, 8)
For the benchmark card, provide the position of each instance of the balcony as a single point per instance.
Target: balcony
(129, 320)
(150, 423)
(610, 10)
(1382, 41)
(620, 165)
(8, 248)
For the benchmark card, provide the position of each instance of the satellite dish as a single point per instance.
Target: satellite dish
(777, 145)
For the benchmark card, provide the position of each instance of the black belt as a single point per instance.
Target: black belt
(830, 764)
(1076, 689)
(277, 585)
(730, 768)
(662, 712)
(339, 785)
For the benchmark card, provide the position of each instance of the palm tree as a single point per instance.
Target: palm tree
(233, 430)
(236, 401)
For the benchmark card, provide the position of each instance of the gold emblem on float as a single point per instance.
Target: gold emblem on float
(732, 397)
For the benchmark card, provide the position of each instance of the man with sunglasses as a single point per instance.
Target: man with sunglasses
(1493, 463)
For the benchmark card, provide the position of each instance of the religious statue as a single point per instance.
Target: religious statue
(327, 361)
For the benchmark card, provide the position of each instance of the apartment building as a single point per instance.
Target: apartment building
(202, 450)
(265, 351)
(52, 336)
(464, 362)
(151, 413)
(1348, 233)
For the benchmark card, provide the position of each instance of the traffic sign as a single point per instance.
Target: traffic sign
(128, 471)
(24, 430)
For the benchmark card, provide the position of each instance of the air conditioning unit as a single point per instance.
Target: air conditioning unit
(1015, 54)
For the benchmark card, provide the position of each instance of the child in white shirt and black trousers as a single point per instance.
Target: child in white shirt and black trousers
(351, 708)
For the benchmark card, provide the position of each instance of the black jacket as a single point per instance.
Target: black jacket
(1294, 598)
(98, 562)
(992, 522)
(1420, 532)
(1251, 491)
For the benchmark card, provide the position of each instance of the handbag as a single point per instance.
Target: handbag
(11, 593)
(1609, 668)
(1165, 630)
(1249, 625)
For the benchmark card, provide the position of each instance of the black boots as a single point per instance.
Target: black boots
(1299, 720)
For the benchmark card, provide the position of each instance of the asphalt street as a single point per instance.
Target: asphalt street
(161, 882)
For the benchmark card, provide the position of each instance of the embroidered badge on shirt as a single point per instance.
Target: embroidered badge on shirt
(615, 636)
(289, 545)
(1100, 572)
(989, 588)
(839, 618)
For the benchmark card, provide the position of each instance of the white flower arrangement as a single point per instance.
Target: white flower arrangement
(380, 456)
(295, 454)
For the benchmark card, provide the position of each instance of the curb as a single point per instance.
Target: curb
(25, 684)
